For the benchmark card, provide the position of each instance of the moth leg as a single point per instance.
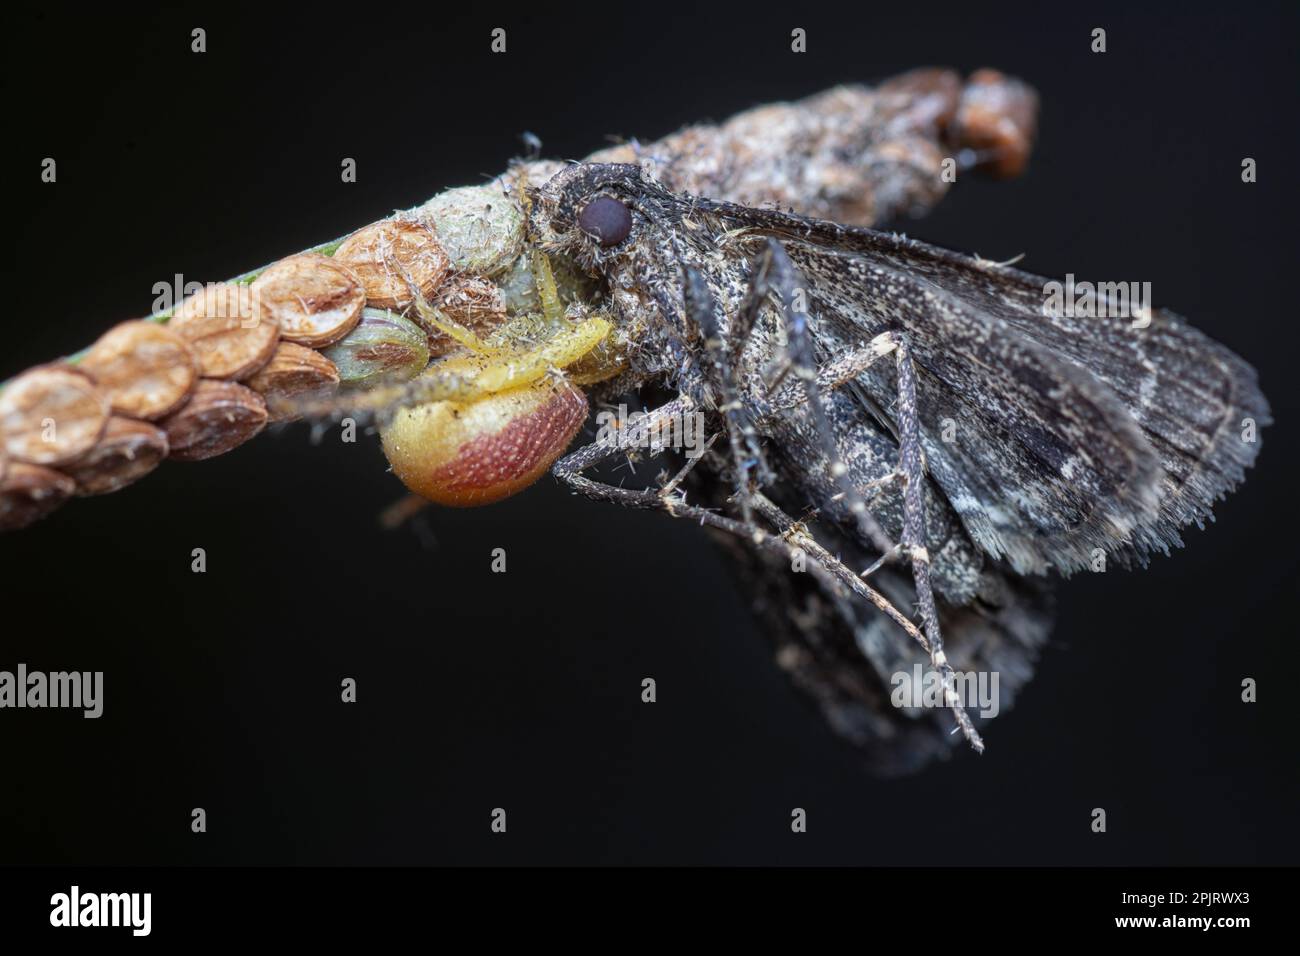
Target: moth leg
(856, 361)
(913, 539)
(671, 486)
(778, 274)
(746, 456)
(835, 373)
(785, 281)
(640, 433)
(831, 376)
(798, 535)
(793, 540)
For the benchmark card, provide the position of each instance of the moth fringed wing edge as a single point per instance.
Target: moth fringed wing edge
(1124, 396)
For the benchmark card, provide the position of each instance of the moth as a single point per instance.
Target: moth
(903, 442)
(955, 439)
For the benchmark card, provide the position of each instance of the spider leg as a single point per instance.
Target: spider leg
(482, 367)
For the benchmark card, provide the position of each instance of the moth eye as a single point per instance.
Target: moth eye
(606, 220)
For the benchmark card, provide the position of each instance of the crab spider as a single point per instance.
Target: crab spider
(493, 416)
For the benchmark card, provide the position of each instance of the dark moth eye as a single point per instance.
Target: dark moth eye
(606, 220)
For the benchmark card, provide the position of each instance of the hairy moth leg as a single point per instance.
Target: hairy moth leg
(634, 434)
(831, 376)
(784, 279)
(912, 465)
(792, 540)
(775, 272)
(856, 361)
(701, 308)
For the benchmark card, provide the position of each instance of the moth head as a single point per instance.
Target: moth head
(606, 219)
(596, 210)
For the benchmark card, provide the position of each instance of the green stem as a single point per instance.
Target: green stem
(324, 249)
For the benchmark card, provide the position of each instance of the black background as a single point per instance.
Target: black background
(480, 690)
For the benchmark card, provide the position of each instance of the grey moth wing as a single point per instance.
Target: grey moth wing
(1051, 436)
(851, 662)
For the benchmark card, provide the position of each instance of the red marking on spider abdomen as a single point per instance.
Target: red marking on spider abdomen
(475, 454)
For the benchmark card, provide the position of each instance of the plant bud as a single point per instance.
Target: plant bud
(480, 452)
(218, 417)
(295, 373)
(997, 116)
(51, 415)
(919, 100)
(473, 302)
(519, 284)
(228, 331)
(314, 299)
(145, 369)
(383, 347)
(30, 492)
(385, 254)
(128, 451)
(480, 227)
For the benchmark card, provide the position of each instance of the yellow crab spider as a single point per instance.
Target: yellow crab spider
(495, 414)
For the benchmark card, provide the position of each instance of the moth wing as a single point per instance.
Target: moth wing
(850, 660)
(1063, 435)
(1190, 395)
